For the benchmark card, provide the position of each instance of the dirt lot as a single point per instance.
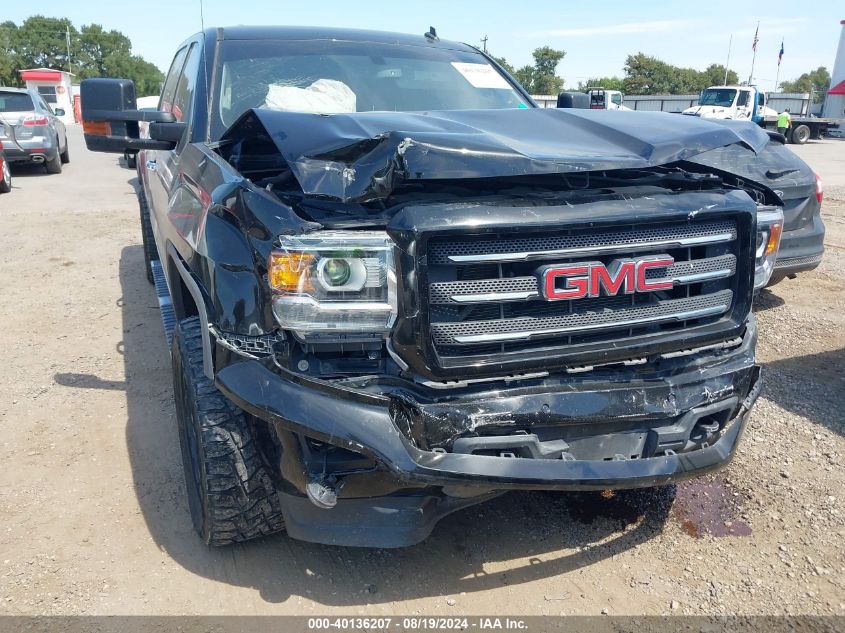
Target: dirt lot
(93, 518)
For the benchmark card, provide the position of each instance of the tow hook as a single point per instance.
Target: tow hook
(323, 494)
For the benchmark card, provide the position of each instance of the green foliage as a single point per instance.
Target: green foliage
(816, 81)
(648, 75)
(608, 83)
(541, 78)
(504, 64)
(94, 52)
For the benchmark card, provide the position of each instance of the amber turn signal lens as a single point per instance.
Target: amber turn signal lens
(97, 128)
(290, 272)
(774, 238)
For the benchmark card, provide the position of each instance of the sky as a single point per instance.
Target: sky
(597, 36)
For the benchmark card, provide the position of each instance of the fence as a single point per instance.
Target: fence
(798, 103)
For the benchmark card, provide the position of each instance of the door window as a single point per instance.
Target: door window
(185, 87)
(742, 101)
(166, 102)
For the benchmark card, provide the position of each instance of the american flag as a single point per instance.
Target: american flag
(756, 39)
(780, 55)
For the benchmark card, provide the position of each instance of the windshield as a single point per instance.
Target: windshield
(330, 77)
(723, 97)
(15, 102)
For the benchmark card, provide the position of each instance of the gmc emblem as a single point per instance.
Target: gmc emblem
(594, 279)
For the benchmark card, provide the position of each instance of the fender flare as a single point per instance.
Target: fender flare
(193, 287)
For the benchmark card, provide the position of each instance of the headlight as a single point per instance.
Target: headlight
(769, 229)
(342, 281)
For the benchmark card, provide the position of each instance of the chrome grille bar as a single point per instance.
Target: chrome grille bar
(632, 239)
(592, 250)
(528, 328)
(524, 288)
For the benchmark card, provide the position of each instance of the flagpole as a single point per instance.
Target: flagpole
(754, 58)
(780, 56)
(728, 63)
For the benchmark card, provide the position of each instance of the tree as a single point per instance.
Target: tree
(8, 61)
(541, 78)
(504, 64)
(608, 83)
(544, 77)
(41, 42)
(714, 75)
(94, 52)
(816, 81)
(649, 75)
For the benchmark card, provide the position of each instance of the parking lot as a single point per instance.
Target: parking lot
(94, 520)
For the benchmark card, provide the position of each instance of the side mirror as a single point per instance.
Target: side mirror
(110, 117)
(573, 100)
(59, 111)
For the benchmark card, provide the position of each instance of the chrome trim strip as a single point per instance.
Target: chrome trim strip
(523, 336)
(695, 278)
(495, 296)
(683, 242)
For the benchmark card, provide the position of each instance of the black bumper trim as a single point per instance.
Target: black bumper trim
(367, 426)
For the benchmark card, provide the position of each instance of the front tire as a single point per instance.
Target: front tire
(231, 495)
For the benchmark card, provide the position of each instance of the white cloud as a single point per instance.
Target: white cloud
(615, 29)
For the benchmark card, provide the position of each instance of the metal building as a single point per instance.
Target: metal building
(834, 104)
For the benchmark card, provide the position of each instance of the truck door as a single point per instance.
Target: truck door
(162, 166)
(744, 106)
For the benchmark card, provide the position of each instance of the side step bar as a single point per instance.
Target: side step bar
(165, 303)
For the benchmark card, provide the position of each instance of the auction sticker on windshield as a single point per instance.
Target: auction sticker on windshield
(481, 75)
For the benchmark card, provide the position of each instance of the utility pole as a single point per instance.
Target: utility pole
(728, 63)
(67, 41)
(484, 43)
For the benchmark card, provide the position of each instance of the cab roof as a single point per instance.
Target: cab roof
(293, 33)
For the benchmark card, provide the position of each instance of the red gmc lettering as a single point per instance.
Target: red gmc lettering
(594, 279)
(644, 265)
(574, 287)
(601, 277)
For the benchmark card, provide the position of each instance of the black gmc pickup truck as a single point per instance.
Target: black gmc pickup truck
(396, 287)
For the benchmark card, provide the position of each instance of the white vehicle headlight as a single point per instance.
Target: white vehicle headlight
(340, 281)
(769, 229)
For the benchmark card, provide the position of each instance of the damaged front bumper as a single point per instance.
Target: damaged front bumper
(622, 429)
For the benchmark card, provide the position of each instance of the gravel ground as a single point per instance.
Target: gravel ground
(93, 519)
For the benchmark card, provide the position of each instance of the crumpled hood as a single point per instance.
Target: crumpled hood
(365, 156)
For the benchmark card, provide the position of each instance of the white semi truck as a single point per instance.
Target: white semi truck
(749, 103)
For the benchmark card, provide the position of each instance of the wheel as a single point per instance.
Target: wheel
(65, 155)
(131, 162)
(776, 278)
(54, 165)
(800, 134)
(6, 178)
(231, 495)
(150, 250)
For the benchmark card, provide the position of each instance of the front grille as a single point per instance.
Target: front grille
(484, 293)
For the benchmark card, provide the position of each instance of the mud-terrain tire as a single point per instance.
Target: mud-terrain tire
(231, 495)
(150, 250)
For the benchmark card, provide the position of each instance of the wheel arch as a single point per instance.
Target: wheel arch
(189, 300)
